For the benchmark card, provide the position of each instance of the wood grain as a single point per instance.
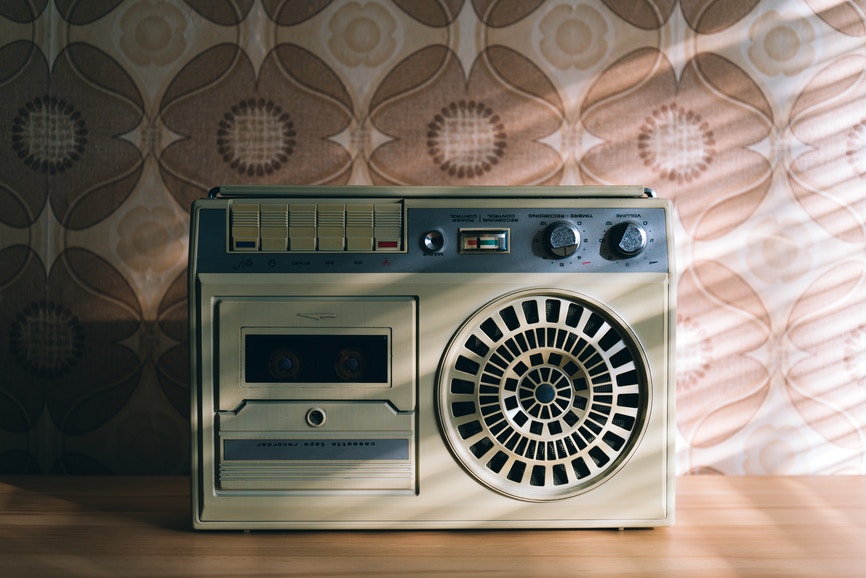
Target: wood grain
(726, 526)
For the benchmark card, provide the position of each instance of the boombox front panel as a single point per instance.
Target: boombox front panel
(477, 370)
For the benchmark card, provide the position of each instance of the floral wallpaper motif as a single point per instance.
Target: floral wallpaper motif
(116, 114)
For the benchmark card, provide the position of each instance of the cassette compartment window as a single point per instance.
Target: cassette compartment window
(305, 358)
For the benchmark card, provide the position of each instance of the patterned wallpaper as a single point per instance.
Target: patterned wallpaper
(749, 115)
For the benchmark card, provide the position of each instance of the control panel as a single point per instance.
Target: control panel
(445, 236)
(563, 238)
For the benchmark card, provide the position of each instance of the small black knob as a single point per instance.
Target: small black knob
(561, 239)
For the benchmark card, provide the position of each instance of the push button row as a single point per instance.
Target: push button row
(279, 227)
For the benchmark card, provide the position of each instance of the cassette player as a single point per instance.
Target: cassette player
(431, 357)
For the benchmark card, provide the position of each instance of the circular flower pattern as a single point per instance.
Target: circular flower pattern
(484, 131)
(781, 43)
(772, 450)
(64, 125)
(690, 137)
(272, 128)
(777, 250)
(50, 357)
(62, 352)
(150, 239)
(152, 33)
(49, 135)
(676, 143)
(362, 35)
(466, 139)
(573, 36)
(256, 137)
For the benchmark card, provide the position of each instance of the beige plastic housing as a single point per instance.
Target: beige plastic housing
(421, 480)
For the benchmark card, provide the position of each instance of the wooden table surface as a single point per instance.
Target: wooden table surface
(726, 526)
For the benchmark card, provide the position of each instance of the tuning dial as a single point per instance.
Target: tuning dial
(561, 239)
(627, 239)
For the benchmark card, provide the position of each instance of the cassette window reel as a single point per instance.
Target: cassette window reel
(543, 396)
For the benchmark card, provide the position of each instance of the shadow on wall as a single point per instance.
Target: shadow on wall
(115, 116)
(89, 386)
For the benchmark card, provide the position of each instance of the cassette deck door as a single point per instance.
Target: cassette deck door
(284, 348)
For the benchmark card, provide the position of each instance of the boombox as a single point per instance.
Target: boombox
(432, 357)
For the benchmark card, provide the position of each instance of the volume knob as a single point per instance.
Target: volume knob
(561, 239)
(627, 239)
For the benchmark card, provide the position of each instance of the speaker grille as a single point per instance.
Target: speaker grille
(542, 396)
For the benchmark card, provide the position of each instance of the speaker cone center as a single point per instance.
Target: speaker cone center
(545, 393)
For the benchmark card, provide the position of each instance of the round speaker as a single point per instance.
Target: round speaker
(543, 395)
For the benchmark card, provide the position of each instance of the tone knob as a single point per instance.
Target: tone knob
(561, 239)
(627, 239)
